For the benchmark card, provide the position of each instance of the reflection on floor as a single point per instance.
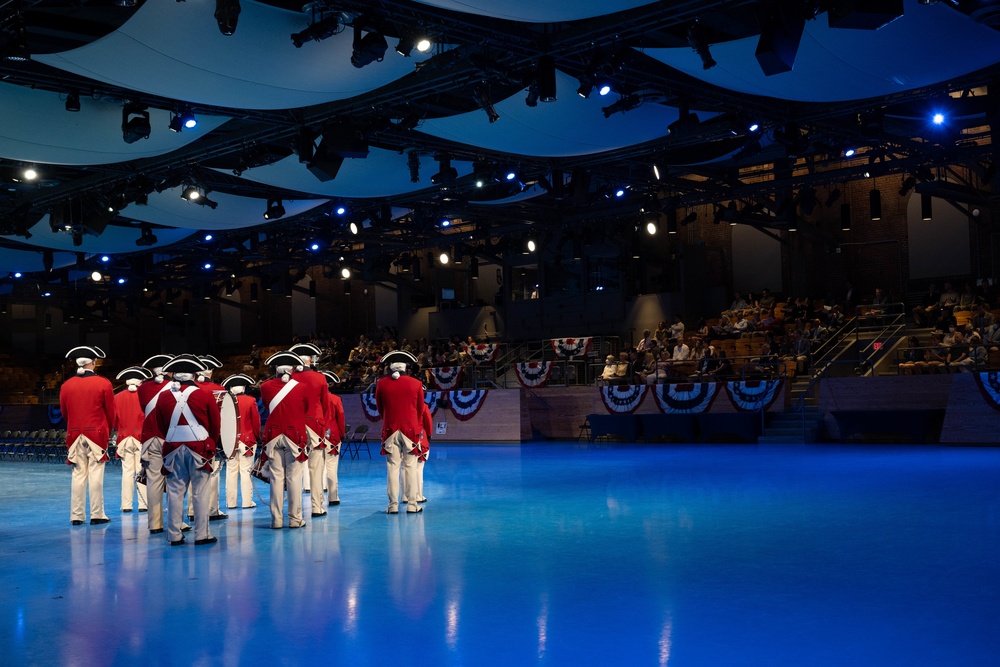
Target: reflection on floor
(545, 554)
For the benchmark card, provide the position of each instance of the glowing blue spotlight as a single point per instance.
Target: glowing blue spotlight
(341, 210)
(17, 274)
(209, 237)
(122, 281)
(604, 90)
(511, 175)
(314, 246)
(105, 259)
(46, 293)
(190, 122)
(446, 223)
(620, 192)
(753, 127)
(207, 266)
(937, 118)
(849, 152)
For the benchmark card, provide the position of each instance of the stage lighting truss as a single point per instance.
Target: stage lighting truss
(484, 98)
(318, 30)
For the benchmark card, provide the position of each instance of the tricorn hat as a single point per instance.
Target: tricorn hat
(86, 352)
(331, 377)
(209, 361)
(284, 358)
(237, 380)
(135, 373)
(398, 357)
(157, 361)
(184, 363)
(305, 350)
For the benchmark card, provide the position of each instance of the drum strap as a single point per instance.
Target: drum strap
(192, 430)
(280, 396)
(152, 402)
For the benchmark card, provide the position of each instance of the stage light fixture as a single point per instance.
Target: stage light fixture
(849, 152)
(444, 258)
(671, 220)
(182, 120)
(619, 192)
(96, 276)
(73, 101)
(121, 281)
(207, 266)
(510, 175)
(105, 259)
(369, 48)
(340, 210)
(413, 164)
(484, 99)
(446, 174)
(274, 210)
(926, 207)
(412, 39)
(318, 31)
(29, 174)
(353, 227)
(651, 227)
(586, 86)
(446, 223)
(345, 273)
(227, 14)
(845, 217)
(938, 118)
(909, 182)
(531, 245)
(146, 236)
(624, 103)
(135, 123)
(532, 99)
(315, 246)
(545, 78)
(697, 40)
(875, 204)
(16, 48)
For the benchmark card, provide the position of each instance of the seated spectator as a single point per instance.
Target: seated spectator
(978, 354)
(766, 301)
(983, 319)
(958, 354)
(724, 368)
(683, 364)
(677, 328)
(709, 363)
(681, 352)
(923, 313)
(950, 331)
(738, 305)
(991, 336)
(766, 365)
(647, 341)
(662, 331)
(966, 299)
(879, 302)
(914, 361)
(646, 373)
(610, 372)
(701, 328)
(800, 350)
(664, 367)
(623, 368)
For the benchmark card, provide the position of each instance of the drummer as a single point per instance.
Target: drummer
(248, 435)
(334, 435)
(204, 380)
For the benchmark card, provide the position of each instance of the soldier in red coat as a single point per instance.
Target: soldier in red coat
(238, 480)
(128, 423)
(335, 427)
(285, 437)
(149, 393)
(87, 402)
(204, 379)
(424, 443)
(399, 397)
(314, 384)
(189, 418)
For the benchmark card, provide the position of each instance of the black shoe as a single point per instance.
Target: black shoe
(416, 511)
(190, 517)
(422, 501)
(126, 511)
(301, 525)
(142, 509)
(334, 503)
(177, 543)
(155, 531)
(392, 511)
(97, 522)
(185, 529)
(207, 540)
(316, 514)
(76, 522)
(218, 517)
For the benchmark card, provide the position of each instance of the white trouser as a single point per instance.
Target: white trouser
(130, 451)
(238, 476)
(332, 466)
(397, 455)
(184, 465)
(282, 465)
(420, 483)
(316, 466)
(88, 474)
(152, 460)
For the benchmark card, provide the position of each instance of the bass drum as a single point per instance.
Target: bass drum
(229, 423)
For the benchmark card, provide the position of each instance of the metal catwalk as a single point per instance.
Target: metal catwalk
(545, 554)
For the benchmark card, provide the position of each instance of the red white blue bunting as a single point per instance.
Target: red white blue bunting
(431, 399)
(483, 353)
(370, 408)
(465, 403)
(753, 395)
(533, 374)
(446, 377)
(685, 399)
(571, 347)
(989, 385)
(623, 399)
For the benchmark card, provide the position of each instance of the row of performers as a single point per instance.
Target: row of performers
(177, 428)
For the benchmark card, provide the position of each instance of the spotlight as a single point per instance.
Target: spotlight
(446, 223)
(73, 101)
(146, 238)
(510, 175)
(656, 172)
(532, 99)
(849, 152)
(619, 192)
(105, 259)
(624, 103)
(413, 163)
(341, 210)
(207, 266)
(651, 228)
(875, 204)
(16, 41)
(586, 86)
(484, 99)
(29, 174)
(135, 123)
(545, 78)
(122, 281)
(424, 45)
(938, 118)
(444, 258)
(227, 13)
(191, 193)
(531, 246)
(908, 184)
(753, 127)
(96, 276)
(353, 227)
(182, 120)
(926, 207)
(604, 86)
(345, 273)
(410, 40)
(697, 40)
(274, 209)
(368, 49)
(845, 217)
(320, 30)
(315, 245)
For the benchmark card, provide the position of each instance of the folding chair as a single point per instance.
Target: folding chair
(345, 444)
(359, 438)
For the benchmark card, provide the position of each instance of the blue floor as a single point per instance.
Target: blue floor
(546, 554)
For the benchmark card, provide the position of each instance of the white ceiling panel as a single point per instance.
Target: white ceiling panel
(114, 240)
(927, 45)
(533, 11)
(233, 212)
(175, 49)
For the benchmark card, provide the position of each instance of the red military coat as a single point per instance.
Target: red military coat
(288, 418)
(206, 413)
(87, 403)
(399, 404)
(128, 415)
(249, 434)
(335, 417)
(148, 391)
(314, 385)
(425, 436)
